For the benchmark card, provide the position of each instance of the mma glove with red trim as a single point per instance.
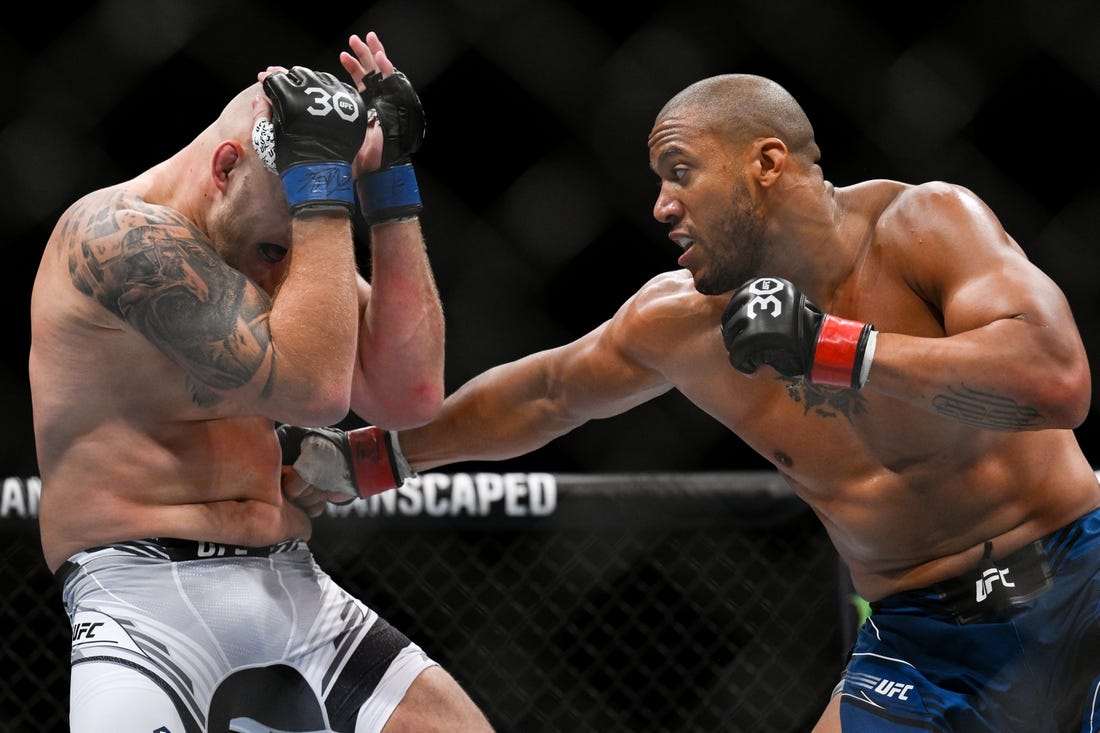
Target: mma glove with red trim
(358, 463)
(768, 321)
(319, 124)
(391, 193)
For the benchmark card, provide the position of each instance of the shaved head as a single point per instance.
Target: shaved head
(741, 108)
(235, 120)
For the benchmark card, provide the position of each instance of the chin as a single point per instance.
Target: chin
(704, 284)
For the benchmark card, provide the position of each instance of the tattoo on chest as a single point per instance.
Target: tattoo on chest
(154, 270)
(985, 410)
(825, 401)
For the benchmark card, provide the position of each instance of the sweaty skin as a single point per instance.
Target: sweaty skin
(963, 433)
(177, 316)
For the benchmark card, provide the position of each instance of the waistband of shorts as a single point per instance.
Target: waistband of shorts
(997, 585)
(174, 550)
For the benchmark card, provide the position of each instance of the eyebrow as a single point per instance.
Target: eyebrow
(666, 154)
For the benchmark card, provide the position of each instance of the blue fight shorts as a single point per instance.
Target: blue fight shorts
(1011, 647)
(177, 636)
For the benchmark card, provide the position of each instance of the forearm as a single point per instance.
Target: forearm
(401, 336)
(313, 320)
(313, 324)
(489, 418)
(1010, 375)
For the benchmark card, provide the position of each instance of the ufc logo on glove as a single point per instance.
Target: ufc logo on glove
(764, 300)
(798, 340)
(340, 102)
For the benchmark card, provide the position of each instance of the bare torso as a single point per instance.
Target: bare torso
(909, 497)
(125, 449)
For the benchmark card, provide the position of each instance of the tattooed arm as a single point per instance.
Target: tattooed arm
(290, 356)
(1011, 357)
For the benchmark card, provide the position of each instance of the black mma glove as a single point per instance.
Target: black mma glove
(358, 463)
(320, 124)
(768, 321)
(391, 192)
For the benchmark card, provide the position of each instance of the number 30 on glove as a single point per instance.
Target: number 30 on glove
(768, 321)
(319, 126)
(358, 463)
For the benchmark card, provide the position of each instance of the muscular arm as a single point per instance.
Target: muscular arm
(517, 407)
(153, 269)
(1012, 358)
(398, 382)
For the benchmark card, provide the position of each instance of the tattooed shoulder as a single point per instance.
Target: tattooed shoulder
(118, 245)
(156, 271)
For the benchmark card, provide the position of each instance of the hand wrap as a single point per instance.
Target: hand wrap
(391, 193)
(768, 321)
(320, 124)
(357, 463)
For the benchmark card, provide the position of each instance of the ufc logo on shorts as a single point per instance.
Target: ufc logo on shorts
(340, 102)
(764, 290)
(212, 549)
(85, 630)
(893, 689)
(984, 586)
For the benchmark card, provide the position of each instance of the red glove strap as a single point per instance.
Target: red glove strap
(371, 461)
(836, 352)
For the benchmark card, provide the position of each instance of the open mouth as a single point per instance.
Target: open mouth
(682, 239)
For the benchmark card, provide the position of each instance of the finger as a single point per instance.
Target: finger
(364, 52)
(359, 62)
(378, 54)
(354, 69)
(360, 48)
(269, 71)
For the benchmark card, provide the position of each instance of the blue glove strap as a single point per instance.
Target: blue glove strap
(319, 186)
(389, 194)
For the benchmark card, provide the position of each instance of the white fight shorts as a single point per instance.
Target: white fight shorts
(175, 636)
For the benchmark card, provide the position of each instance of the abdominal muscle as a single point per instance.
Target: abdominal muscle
(215, 480)
(903, 531)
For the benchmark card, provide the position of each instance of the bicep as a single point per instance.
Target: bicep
(166, 283)
(984, 278)
(1007, 327)
(602, 374)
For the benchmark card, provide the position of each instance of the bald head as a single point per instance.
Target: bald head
(741, 108)
(235, 120)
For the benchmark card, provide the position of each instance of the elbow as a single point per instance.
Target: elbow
(1068, 397)
(1078, 404)
(322, 401)
(322, 410)
(413, 407)
(426, 404)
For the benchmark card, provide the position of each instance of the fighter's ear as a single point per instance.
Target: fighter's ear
(227, 156)
(770, 157)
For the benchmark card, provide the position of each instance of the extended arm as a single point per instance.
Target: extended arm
(506, 411)
(517, 407)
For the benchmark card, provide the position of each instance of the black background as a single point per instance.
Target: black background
(534, 172)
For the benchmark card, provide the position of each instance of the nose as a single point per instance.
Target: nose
(667, 208)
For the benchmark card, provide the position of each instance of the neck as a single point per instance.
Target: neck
(162, 186)
(817, 240)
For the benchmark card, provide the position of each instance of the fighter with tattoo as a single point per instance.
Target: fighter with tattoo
(897, 357)
(177, 318)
